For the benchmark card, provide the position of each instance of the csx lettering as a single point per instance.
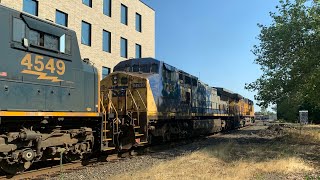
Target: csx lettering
(54, 66)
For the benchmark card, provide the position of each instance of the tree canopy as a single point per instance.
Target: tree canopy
(289, 56)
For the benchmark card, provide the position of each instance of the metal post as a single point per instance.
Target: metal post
(61, 150)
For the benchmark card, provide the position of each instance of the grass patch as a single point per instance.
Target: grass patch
(307, 135)
(278, 158)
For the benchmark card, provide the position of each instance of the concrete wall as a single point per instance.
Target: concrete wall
(78, 12)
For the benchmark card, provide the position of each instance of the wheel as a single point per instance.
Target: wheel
(14, 168)
(167, 137)
(150, 138)
(70, 157)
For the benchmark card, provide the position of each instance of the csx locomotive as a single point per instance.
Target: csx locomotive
(155, 101)
(52, 101)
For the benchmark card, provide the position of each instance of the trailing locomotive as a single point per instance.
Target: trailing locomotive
(150, 100)
(52, 102)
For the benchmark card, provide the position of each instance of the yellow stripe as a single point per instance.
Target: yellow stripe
(59, 114)
(99, 93)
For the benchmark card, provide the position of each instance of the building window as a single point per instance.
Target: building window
(138, 22)
(106, 41)
(124, 47)
(105, 72)
(61, 18)
(87, 2)
(107, 7)
(124, 14)
(138, 51)
(86, 33)
(31, 7)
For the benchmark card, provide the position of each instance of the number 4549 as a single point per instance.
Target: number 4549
(53, 66)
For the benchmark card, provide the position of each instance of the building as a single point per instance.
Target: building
(108, 31)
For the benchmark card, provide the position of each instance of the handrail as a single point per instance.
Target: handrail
(104, 111)
(135, 106)
(115, 110)
(142, 100)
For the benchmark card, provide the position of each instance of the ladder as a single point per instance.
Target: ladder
(135, 121)
(108, 142)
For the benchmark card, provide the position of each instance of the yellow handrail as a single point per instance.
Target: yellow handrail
(115, 110)
(142, 100)
(135, 106)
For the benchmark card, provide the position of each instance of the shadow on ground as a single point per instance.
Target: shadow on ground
(249, 144)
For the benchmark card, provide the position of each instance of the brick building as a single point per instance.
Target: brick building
(108, 31)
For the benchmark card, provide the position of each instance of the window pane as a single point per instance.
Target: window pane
(135, 68)
(107, 7)
(86, 33)
(30, 6)
(65, 44)
(124, 48)
(106, 41)
(68, 44)
(145, 68)
(138, 51)
(61, 18)
(62, 47)
(19, 30)
(34, 38)
(124, 14)
(138, 22)
(51, 42)
(105, 72)
(87, 2)
(154, 68)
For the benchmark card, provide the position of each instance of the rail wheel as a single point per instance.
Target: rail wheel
(14, 168)
(167, 136)
(71, 157)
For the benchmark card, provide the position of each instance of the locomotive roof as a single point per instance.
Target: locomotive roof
(141, 75)
(137, 61)
(130, 62)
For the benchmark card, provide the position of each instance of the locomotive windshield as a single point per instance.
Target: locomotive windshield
(146, 66)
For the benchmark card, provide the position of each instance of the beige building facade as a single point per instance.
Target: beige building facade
(108, 31)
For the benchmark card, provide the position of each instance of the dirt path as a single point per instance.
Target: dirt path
(250, 153)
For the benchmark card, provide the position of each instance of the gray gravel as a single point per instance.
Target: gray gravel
(135, 164)
(125, 165)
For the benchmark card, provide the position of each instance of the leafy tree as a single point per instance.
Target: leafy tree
(289, 57)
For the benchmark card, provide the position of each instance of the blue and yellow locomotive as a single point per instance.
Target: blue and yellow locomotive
(153, 100)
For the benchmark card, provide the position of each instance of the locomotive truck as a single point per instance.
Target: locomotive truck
(52, 101)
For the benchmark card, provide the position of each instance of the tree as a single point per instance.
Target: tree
(264, 111)
(289, 56)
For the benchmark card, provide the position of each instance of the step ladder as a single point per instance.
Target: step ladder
(109, 128)
(135, 118)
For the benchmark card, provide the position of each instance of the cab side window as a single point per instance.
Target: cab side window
(38, 39)
(19, 30)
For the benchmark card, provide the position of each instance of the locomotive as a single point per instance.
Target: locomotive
(48, 96)
(152, 100)
(53, 102)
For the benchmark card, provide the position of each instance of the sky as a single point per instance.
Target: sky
(212, 39)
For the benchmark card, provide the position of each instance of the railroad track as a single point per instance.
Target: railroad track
(34, 174)
(57, 170)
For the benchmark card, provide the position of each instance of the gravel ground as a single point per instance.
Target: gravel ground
(138, 163)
